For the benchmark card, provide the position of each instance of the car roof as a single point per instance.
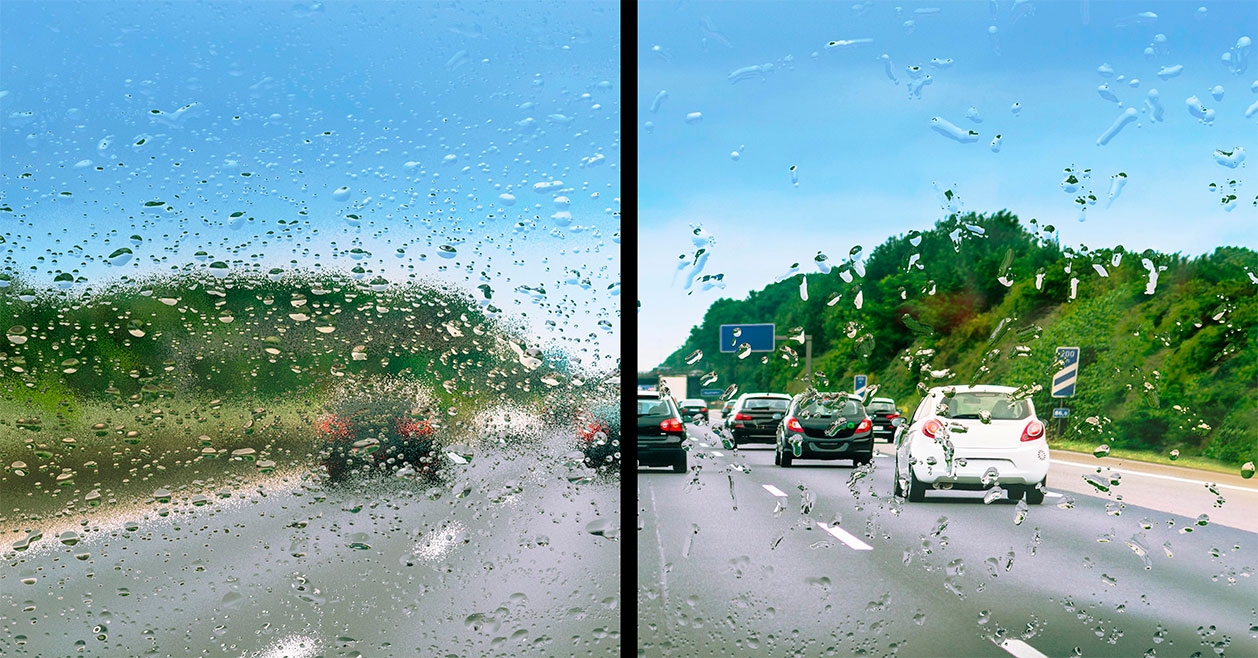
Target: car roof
(883, 400)
(979, 388)
(694, 401)
(779, 396)
(649, 394)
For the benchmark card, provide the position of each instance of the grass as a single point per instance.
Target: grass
(1148, 456)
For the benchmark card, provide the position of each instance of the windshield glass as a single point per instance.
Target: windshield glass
(654, 407)
(843, 406)
(310, 340)
(881, 407)
(995, 406)
(762, 404)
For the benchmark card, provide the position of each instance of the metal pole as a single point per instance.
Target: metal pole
(808, 357)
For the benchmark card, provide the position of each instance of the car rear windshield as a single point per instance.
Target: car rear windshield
(831, 407)
(971, 405)
(880, 406)
(775, 404)
(650, 407)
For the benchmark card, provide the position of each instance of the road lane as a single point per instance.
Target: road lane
(507, 557)
(765, 579)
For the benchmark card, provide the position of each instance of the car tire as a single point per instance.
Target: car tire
(1036, 496)
(679, 463)
(917, 488)
(861, 461)
(777, 456)
(787, 459)
(1015, 493)
(896, 491)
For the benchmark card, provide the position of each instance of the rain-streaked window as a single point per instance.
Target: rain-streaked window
(310, 321)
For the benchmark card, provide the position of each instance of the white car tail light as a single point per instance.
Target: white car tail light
(1034, 430)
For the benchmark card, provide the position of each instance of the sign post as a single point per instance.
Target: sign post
(760, 338)
(1064, 380)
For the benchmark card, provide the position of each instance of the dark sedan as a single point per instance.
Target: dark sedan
(825, 426)
(756, 417)
(882, 411)
(661, 432)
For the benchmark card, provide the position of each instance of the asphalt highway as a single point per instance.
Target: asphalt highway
(513, 555)
(741, 557)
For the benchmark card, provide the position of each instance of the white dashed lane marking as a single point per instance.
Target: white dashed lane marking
(1020, 649)
(774, 490)
(846, 537)
(717, 454)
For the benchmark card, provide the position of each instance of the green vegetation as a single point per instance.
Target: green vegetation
(1175, 369)
(166, 379)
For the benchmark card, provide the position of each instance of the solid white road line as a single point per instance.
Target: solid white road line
(846, 537)
(659, 543)
(1020, 649)
(774, 490)
(1154, 475)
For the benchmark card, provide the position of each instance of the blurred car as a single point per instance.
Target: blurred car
(692, 408)
(882, 411)
(973, 438)
(825, 426)
(756, 416)
(727, 411)
(598, 435)
(377, 435)
(661, 432)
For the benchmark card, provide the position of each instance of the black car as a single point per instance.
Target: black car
(882, 411)
(598, 435)
(693, 410)
(825, 426)
(756, 416)
(661, 432)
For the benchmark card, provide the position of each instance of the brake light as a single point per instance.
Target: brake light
(1033, 431)
(864, 426)
(672, 426)
(793, 425)
(741, 416)
(890, 416)
(932, 427)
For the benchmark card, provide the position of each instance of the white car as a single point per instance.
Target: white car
(972, 438)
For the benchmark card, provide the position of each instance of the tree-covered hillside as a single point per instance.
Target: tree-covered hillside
(1169, 351)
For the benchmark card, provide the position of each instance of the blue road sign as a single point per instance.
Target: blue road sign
(858, 384)
(1061, 412)
(711, 392)
(1064, 381)
(758, 336)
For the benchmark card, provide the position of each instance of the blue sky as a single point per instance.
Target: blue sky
(867, 159)
(426, 112)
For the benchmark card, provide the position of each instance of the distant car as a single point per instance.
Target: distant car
(727, 410)
(661, 432)
(692, 408)
(994, 441)
(882, 411)
(825, 426)
(756, 416)
(376, 437)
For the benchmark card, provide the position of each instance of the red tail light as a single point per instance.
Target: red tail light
(741, 416)
(890, 416)
(672, 426)
(864, 426)
(1033, 431)
(793, 425)
(932, 427)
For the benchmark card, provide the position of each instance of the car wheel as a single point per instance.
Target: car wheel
(895, 480)
(1036, 496)
(777, 456)
(786, 459)
(861, 461)
(679, 463)
(917, 488)
(1015, 493)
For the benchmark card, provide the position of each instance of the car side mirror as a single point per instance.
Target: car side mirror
(899, 422)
